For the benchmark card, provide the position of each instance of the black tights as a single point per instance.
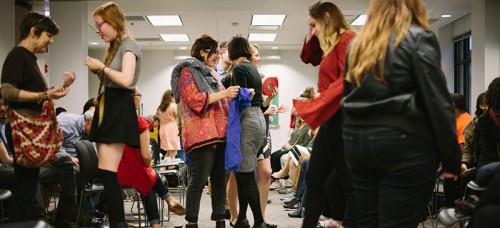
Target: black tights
(248, 193)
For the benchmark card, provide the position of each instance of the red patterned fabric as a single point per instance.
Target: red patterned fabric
(330, 80)
(202, 124)
(36, 139)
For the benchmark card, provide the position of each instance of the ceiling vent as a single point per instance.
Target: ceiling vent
(134, 18)
(431, 21)
(148, 39)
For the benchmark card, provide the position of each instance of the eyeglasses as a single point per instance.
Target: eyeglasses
(138, 95)
(98, 25)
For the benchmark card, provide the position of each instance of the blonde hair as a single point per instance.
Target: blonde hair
(112, 14)
(385, 17)
(332, 21)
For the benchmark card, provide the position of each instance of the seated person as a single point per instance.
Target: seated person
(7, 180)
(135, 171)
(299, 136)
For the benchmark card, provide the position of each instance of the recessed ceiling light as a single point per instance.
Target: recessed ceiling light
(275, 48)
(165, 20)
(271, 57)
(267, 37)
(183, 48)
(268, 19)
(360, 20)
(174, 37)
(445, 15)
(94, 43)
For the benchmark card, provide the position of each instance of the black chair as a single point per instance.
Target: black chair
(155, 150)
(87, 157)
(4, 195)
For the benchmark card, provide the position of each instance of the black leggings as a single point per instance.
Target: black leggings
(248, 193)
(328, 155)
(276, 160)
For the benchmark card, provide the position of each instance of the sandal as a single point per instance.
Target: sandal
(177, 209)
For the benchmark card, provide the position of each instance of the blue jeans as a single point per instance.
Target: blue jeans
(393, 172)
(486, 173)
(207, 161)
(149, 201)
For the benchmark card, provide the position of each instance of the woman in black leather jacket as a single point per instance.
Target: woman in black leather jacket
(399, 121)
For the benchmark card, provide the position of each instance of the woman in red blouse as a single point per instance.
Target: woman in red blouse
(326, 45)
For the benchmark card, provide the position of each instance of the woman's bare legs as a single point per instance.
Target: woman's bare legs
(109, 159)
(232, 197)
(263, 183)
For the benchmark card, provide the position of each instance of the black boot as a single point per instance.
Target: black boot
(262, 225)
(193, 225)
(242, 223)
(220, 224)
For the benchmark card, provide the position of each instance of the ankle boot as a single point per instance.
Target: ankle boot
(220, 224)
(262, 225)
(242, 223)
(194, 225)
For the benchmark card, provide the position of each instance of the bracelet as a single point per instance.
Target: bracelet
(108, 71)
(42, 96)
(101, 70)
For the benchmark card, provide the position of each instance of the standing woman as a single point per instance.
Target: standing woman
(204, 106)
(115, 123)
(399, 120)
(326, 45)
(253, 129)
(25, 89)
(169, 132)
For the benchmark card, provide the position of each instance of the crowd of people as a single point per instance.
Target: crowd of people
(363, 152)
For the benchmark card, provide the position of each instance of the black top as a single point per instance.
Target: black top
(246, 76)
(489, 138)
(413, 96)
(21, 70)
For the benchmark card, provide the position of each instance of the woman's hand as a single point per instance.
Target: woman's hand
(68, 79)
(57, 92)
(94, 65)
(283, 109)
(271, 110)
(232, 91)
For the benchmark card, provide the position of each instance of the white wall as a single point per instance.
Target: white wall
(157, 67)
(8, 25)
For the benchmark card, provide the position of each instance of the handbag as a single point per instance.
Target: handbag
(36, 139)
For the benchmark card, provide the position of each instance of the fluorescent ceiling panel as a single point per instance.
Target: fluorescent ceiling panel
(267, 37)
(174, 37)
(268, 19)
(165, 20)
(360, 20)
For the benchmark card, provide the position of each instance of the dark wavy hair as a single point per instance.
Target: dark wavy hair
(480, 100)
(238, 47)
(206, 43)
(166, 99)
(493, 94)
(40, 22)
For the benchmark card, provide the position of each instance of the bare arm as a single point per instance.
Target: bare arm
(4, 156)
(123, 78)
(146, 155)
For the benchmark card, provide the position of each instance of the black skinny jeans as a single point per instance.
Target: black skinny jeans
(327, 155)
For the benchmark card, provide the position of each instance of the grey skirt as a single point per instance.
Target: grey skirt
(253, 130)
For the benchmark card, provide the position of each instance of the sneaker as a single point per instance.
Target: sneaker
(330, 223)
(275, 185)
(449, 217)
(284, 190)
(287, 183)
(287, 197)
